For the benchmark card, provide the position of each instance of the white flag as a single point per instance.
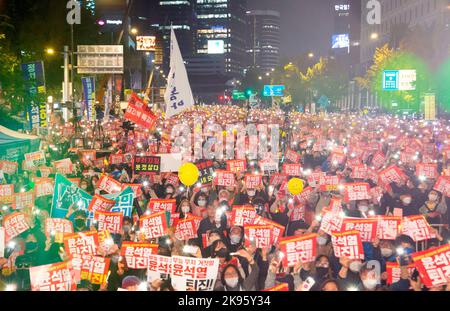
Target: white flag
(178, 95)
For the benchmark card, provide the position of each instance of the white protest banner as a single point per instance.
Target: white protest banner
(170, 162)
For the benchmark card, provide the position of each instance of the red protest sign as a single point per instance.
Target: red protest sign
(8, 167)
(359, 171)
(329, 183)
(283, 287)
(243, 215)
(45, 171)
(394, 272)
(64, 166)
(292, 156)
(443, 185)
(277, 229)
(253, 181)
(314, 178)
(224, 178)
(44, 187)
(111, 221)
(388, 227)
(58, 228)
(331, 222)
(391, 174)
(146, 119)
(82, 243)
(23, 200)
(260, 236)
(427, 170)
(91, 268)
(236, 166)
(54, 278)
(378, 160)
(153, 226)
(376, 193)
(14, 225)
(292, 169)
(185, 229)
(367, 227)
(116, 159)
(277, 179)
(298, 249)
(347, 244)
(100, 204)
(108, 184)
(417, 228)
(136, 254)
(304, 196)
(162, 205)
(6, 193)
(433, 266)
(298, 212)
(356, 192)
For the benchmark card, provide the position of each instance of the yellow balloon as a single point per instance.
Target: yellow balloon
(295, 186)
(188, 174)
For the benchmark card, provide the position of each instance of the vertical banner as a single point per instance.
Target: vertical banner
(89, 96)
(34, 77)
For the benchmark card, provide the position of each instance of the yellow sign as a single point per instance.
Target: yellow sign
(430, 107)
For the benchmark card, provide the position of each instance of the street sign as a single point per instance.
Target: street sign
(399, 80)
(236, 95)
(100, 59)
(390, 80)
(273, 90)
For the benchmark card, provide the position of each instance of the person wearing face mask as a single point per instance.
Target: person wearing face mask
(320, 271)
(433, 209)
(235, 238)
(408, 209)
(198, 203)
(169, 192)
(232, 279)
(79, 221)
(348, 274)
(184, 209)
(370, 279)
(35, 254)
(127, 225)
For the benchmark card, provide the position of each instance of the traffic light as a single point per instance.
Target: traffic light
(249, 92)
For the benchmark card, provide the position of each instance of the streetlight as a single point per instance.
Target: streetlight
(134, 31)
(374, 36)
(260, 78)
(50, 51)
(311, 55)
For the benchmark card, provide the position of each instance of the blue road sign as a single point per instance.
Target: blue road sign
(391, 80)
(274, 90)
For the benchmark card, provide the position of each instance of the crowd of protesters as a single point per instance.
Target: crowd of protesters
(243, 267)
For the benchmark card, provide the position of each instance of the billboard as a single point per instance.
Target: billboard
(273, 90)
(100, 59)
(216, 47)
(399, 80)
(340, 41)
(146, 43)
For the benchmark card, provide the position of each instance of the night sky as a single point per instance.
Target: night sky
(306, 25)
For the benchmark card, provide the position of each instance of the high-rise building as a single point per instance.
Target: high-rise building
(345, 40)
(220, 41)
(180, 15)
(433, 15)
(264, 45)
